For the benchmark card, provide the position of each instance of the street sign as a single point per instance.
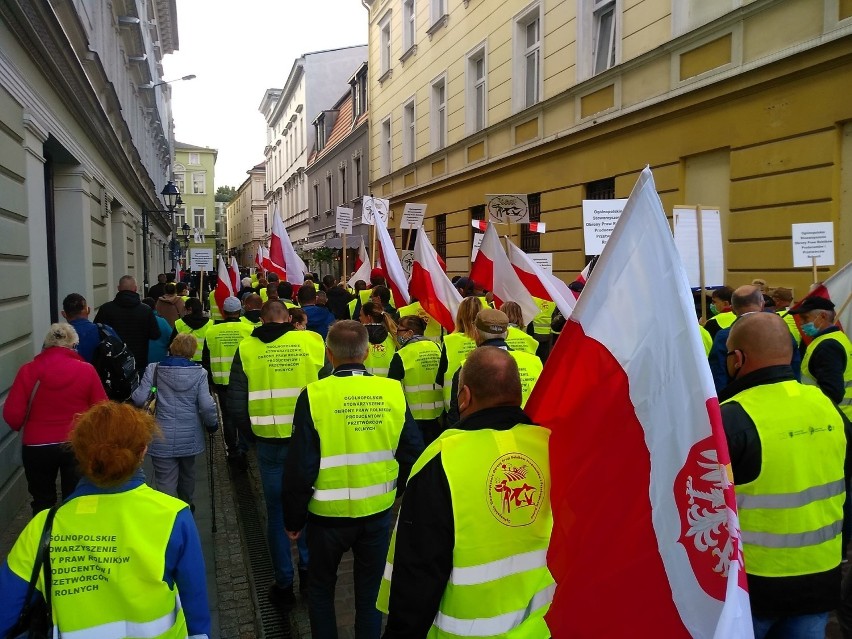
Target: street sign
(201, 259)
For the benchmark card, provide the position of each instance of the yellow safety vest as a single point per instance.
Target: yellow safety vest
(790, 320)
(364, 295)
(530, 367)
(277, 372)
(807, 378)
(215, 313)
(184, 298)
(791, 516)
(541, 322)
(420, 360)
(519, 340)
(198, 333)
(222, 342)
(359, 420)
(379, 357)
(352, 305)
(264, 295)
(456, 346)
(248, 322)
(706, 340)
(725, 319)
(433, 328)
(500, 585)
(113, 585)
(484, 301)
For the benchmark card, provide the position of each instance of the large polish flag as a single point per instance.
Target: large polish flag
(492, 271)
(235, 274)
(540, 284)
(258, 259)
(362, 266)
(838, 289)
(282, 254)
(394, 273)
(431, 286)
(644, 509)
(224, 288)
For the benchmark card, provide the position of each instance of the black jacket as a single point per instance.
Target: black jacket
(134, 322)
(827, 366)
(338, 302)
(423, 559)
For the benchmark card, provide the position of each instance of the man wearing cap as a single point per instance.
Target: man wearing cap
(492, 327)
(220, 343)
(783, 298)
(828, 360)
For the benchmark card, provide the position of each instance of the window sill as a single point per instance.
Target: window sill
(439, 24)
(408, 53)
(385, 76)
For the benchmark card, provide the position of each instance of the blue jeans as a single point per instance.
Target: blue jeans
(369, 542)
(799, 627)
(270, 460)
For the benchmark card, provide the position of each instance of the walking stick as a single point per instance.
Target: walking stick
(211, 442)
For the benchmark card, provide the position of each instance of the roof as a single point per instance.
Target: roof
(342, 127)
(183, 146)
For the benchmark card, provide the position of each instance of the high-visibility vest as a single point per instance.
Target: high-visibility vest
(790, 320)
(248, 322)
(222, 342)
(433, 327)
(456, 347)
(277, 372)
(113, 585)
(791, 516)
(519, 340)
(484, 301)
(420, 360)
(215, 314)
(706, 340)
(500, 585)
(379, 357)
(541, 322)
(352, 305)
(807, 378)
(198, 333)
(725, 319)
(264, 295)
(364, 295)
(359, 420)
(529, 367)
(184, 298)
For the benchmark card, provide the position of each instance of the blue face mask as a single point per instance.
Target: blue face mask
(810, 330)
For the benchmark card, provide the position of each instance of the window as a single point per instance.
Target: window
(266, 221)
(439, 10)
(441, 235)
(316, 201)
(195, 158)
(531, 242)
(476, 213)
(409, 16)
(359, 91)
(476, 91)
(199, 183)
(386, 43)
(601, 189)
(603, 46)
(199, 220)
(527, 65)
(319, 125)
(409, 132)
(180, 182)
(357, 168)
(439, 114)
(342, 176)
(180, 218)
(328, 192)
(386, 146)
(409, 237)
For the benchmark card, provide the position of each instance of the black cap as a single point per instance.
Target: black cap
(813, 304)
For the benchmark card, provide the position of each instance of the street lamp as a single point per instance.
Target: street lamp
(191, 76)
(171, 198)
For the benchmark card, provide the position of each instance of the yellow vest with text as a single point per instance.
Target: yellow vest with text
(379, 357)
(807, 378)
(541, 322)
(122, 592)
(215, 313)
(530, 367)
(277, 372)
(519, 340)
(433, 328)
(198, 333)
(791, 516)
(500, 585)
(456, 346)
(222, 342)
(420, 360)
(359, 420)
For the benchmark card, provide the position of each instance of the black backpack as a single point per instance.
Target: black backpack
(116, 366)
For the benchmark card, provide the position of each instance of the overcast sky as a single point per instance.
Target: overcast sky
(238, 49)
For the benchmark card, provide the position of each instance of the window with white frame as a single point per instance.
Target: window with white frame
(356, 167)
(385, 27)
(199, 182)
(409, 132)
(439, 10)
(386, 146)
(341, 174)
(526, 62)
(180, 218)
(409, 22)
(195, 158)
(328, 192)
(180, 182)
(439, 113)
(199, 218)
(603, 30)
(476, 91)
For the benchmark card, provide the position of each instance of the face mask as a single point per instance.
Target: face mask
(713, 309)
(403, 340)
(810, 330)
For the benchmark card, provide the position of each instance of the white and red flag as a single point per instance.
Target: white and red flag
(431, 286)
(258, 259)
(479, 225)
(282, 255)
(644, 509)
(224, 288)
(235, 275)
(838, 289)
(540, 283)
(362, 265)
(537, 227)
(493, 272)
(394, 273)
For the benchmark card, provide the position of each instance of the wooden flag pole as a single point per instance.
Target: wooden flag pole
(701, 277)
(813, 261)
(343, 278)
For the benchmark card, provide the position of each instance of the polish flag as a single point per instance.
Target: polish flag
(258, 259)
(479, 225)
(639, 459)
(493, 272)
(431, 286)
(838, 289)
(394, 273)
(362, 266)
(282, 254)
(224, 289)
(539, 283)
(235, 274)
(537, 227)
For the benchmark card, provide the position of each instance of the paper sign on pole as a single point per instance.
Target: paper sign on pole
(544, 260)
(201, 259)
(406, 258)
(343, 220)
(412, 216)
(477, 242)
(686, 241)
(815, 240)
(370, 206)
(508, 208)
(599, 219)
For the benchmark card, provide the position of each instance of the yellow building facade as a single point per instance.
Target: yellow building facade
(734, 104)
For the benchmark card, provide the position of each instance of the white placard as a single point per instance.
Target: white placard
(599, 218)
(406, 258)
(412, 216)
(477, 242)
(372, 204)
(544, 260)
(201, 259)
(686, 241)
(814, 240)
(343, 220)
(508, 208)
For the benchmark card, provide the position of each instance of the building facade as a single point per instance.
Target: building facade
(195, 177)
(85, 149)
(732, 103)
(248, 218)
(314, 84)
(337, 173)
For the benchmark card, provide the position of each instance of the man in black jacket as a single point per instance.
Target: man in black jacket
(134, 322)
(338, 298)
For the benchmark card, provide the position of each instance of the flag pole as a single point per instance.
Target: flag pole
(373, 234)
(343, 278)
(813, 262)
(701, 276)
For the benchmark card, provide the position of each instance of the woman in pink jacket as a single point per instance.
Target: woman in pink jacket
(46, 395)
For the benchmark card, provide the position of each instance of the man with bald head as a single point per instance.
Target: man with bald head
(788, 445)
(471, 540)
(134, 321)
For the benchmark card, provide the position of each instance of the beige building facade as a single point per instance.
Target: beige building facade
(248, 221)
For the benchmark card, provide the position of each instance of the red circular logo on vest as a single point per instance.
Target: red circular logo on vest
(514, 490)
